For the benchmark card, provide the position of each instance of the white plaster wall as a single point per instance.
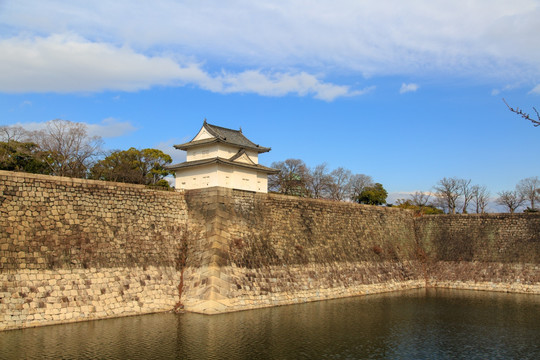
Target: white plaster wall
(262, 182)
(226, 176)
(203, 152)
(203, 134)
(226, 151)
(244, 179)
(196, 178)
(217, 150)
(253, 155)
(221, 175)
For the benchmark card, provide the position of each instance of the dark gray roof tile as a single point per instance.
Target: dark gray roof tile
(187, 164)
(224, 135)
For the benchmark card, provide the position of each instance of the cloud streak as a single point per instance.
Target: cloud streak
(405, 88)
(535, 90)
(374, 38)
(107, 128)
(275, 47)
(110, 128)
(61, 63)
(167, 147)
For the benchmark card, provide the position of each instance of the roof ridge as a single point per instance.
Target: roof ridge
(224, 128)
(223, 160)
(211, 130)
(225, 135)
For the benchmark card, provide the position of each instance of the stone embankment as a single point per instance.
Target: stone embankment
(273, 250)
(73, 250)
(43, 297)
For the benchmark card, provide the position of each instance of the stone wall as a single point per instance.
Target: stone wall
(503, 238)
(482, 251)
(74, 249)
(267, 250)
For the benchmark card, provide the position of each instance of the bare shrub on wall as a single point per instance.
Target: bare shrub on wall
(184, 255)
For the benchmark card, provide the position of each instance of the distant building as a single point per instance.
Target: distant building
(223, 157)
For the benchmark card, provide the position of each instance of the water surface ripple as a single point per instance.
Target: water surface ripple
(417, 324)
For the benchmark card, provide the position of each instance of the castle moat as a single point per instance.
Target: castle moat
(413, 324)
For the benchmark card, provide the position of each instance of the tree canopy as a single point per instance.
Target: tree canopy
(71, 149)
(426, 209)
(510, 200)
(146, 166)
(292, 179)
(23, 156)
(65, 146)
(373, 195)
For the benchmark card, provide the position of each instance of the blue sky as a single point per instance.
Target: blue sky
(407, 92)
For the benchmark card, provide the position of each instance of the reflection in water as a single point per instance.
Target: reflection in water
(432, 323)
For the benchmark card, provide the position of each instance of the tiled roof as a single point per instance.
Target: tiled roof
(224, 135)
(219, 160)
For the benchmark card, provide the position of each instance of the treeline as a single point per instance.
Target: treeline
(450, 195)
(64, 148)
(296, 178)
(454, 195)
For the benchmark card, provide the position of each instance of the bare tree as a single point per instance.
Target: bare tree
(448, 191)
(511, 200)
(480, 198)
(529, 188)
(71, 149)
(420, 199)
(358, 183)
(466, 193)
(340, 188)
(319, 182)
(535, 122)
(14, 133)
(292, 179)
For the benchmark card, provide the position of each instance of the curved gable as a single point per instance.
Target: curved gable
(203, 134)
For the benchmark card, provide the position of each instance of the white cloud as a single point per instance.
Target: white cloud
(130, 45)
(393, 197)
(33, 126)
(167, 147)
(108, 128)
(61, 63)
(405, 88)
(535, 90)
(489, 38)
(507, 87)
(280, 84)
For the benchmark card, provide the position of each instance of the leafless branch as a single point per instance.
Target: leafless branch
(536, 122)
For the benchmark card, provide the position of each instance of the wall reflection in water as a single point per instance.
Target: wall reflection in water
(430, 323)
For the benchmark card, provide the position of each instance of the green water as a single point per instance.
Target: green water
(419, 324)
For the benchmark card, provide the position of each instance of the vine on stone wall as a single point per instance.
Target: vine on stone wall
(181, 264)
